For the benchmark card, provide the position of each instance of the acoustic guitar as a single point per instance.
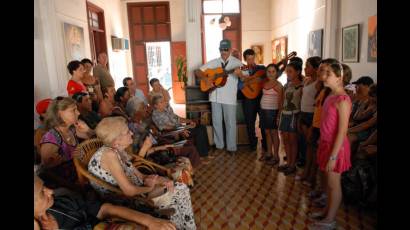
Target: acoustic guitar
(215, 78)
(252, 85)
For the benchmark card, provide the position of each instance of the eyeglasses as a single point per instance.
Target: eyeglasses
(224, 49)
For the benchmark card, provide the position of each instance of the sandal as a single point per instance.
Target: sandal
(323, 225)
(290, 170)
(263, 158)
(272, 161)
(282, 168)
(319, 215)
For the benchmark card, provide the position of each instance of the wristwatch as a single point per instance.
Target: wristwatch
(332, 158)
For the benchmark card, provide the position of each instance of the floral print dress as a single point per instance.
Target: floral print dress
(180, 201)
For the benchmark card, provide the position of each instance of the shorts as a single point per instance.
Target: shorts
(306, 118)
(288, 122)
(268, 118)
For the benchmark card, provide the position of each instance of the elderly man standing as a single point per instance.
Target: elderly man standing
(224, 98)
(101, 72)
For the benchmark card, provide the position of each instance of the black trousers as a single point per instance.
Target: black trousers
(251, 107)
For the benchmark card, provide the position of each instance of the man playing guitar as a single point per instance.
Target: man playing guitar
(251, 107)
(223, 99)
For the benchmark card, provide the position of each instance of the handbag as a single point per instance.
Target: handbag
(163, 157)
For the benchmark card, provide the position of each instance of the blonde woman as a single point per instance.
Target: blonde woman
(112, 164)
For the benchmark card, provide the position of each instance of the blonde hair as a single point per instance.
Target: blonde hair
(52, 119)
(109, 128)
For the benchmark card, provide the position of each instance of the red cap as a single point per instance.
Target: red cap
(42, 106)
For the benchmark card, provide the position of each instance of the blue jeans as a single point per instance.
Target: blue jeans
(228, 113)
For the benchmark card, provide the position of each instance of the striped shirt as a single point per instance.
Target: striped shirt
(270, 99)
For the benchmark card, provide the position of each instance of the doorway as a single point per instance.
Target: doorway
(96, 26)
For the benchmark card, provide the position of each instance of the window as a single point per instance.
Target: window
(221, 6)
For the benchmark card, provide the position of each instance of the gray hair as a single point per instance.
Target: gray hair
(134, 104)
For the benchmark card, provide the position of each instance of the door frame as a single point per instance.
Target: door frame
(100, 12)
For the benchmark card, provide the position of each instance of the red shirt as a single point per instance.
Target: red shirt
(75, 87)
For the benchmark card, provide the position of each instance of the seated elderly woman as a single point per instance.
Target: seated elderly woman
(65, 209)
(165, 119)
(112, 164)
(368, 122)
(58, 144)
(140, 125)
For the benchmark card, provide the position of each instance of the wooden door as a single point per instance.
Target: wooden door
(177, 49)
(96, 26)
(233, 32)
(148, 22)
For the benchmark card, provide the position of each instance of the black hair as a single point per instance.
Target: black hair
(314, 61)
(73, 65)
(86, 60)
(78, 97)
(248, 52)
(124, 81)
(297, 65)
(120, 93)
(153, 80)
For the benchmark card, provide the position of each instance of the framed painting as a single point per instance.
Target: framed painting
(315, 43)
(279, 49)
(350, 43)
(74, 44)
(258, 53)
(372, 39)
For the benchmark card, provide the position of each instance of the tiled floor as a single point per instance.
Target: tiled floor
(239, 192)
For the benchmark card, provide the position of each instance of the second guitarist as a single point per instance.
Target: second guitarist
(251, 107)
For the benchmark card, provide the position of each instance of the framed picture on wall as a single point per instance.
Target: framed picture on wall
(350, 43)
(73, 42)
(258, 53)
(279, 49)
(372, 39)
(315, 43)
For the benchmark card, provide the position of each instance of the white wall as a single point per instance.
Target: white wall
(50, 73)
(256, 26)
(296, 18)
(358, 12)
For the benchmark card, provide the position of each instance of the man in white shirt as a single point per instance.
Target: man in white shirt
(224, 98)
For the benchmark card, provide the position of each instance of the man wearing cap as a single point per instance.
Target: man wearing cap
(41, 109)
(362, 94)
(223, 99)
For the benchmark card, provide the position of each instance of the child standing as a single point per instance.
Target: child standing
(333, 155)
(271, 104)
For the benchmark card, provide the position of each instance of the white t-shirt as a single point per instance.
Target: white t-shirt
(227, 93)
(307, 103)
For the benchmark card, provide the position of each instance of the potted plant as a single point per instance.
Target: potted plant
(181, 70)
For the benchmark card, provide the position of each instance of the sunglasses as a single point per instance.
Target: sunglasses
(225, 49)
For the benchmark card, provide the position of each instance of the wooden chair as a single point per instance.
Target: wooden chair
(82, 156)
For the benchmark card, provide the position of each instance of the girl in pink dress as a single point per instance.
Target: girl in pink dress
(333, 156)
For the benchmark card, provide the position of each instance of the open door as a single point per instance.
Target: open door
(177, 49)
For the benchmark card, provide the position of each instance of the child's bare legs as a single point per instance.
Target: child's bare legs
(286, 145)
(276, 142)
(334, 192)
(268, 142)
(293, 148)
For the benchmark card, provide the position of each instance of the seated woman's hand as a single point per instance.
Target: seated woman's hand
(81, 127)
(169, 184)
(185, 133)
(160, 224)
(147, 143)
(150, 180)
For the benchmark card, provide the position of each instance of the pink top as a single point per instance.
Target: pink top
(329, 125)
(270, 99)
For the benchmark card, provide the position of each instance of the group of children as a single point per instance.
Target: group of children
(317, 108)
